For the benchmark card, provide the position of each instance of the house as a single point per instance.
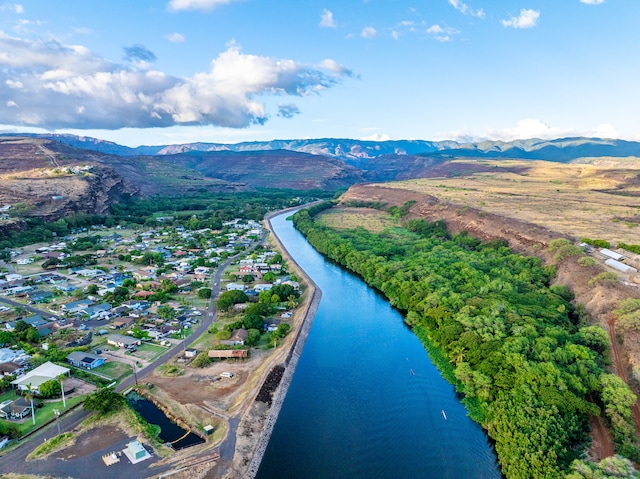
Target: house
(99, 311)
(262, 287)
(239, 336)
(11, 369)
(36, 321)
(123, 341)
(123, 322)
(17, 409)
(190, 353)
(76, 306)
(12, 356)
(88, 273)
(39, 296)
(235, 287)
(65, 287)
(228, 353)
(84, 360)
(35, 378)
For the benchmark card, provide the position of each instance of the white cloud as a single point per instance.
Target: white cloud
(592, 2)
(326, 19)
(369, 32)
(442, 34)
(11, 103)
(202, 5)
(530, 128)
(175, 37)
(376, 137)
(334, 66)
(527, 19)
(12, 7)
(52, 82)
(466, 9)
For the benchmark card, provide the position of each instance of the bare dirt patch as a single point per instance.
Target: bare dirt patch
(91, 441)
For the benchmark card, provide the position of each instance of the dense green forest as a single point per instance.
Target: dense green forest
(529, 367)
(209, 210)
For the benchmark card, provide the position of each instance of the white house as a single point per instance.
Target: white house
(40, 375)
(235, 287)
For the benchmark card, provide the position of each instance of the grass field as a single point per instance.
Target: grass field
(599, 200)
(348, 218)
(115, 370)
(148, 352)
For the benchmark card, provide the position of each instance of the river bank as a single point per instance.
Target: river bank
(310, 308)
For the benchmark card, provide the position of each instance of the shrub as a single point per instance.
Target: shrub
(596, 242)
(604, 278)
(586, 261)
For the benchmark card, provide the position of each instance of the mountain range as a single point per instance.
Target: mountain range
(86, 174)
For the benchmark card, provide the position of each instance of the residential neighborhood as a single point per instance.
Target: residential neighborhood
(98, 305)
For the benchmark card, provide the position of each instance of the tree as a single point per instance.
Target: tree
(253, 337)
(269, 277)
(204, 293)
(104, 401)
(166, 312)
(229, 298)
(50, 389)
(28, 395)
(92, 289)
(202, 360)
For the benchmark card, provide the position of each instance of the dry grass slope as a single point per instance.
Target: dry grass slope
(596, 200)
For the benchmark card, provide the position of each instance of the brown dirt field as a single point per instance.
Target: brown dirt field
(530, 238)
(91, 441)
(202, 386)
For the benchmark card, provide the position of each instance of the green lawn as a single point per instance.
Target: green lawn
(43, 414)
(148, 352)
(115, 370)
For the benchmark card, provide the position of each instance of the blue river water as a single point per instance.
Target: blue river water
(365, 400)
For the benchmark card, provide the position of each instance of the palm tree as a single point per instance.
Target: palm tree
(29, 395)
(64, 402)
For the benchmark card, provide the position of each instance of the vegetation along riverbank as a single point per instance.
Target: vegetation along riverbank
(532, 370)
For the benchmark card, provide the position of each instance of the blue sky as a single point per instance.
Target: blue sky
(174, 71)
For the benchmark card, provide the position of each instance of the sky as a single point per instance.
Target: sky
(149, 72)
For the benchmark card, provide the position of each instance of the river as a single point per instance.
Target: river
(365, 400)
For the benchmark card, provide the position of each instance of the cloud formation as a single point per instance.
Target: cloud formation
(532, 128)
(202, 5)
(288, 110)
(53, 85)
(175, 37)
(592, 2)
(442, 34)
(369, 32)
(527, 19)
(139, 53)
(465, 9)
(12, 7)
(326, 19)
